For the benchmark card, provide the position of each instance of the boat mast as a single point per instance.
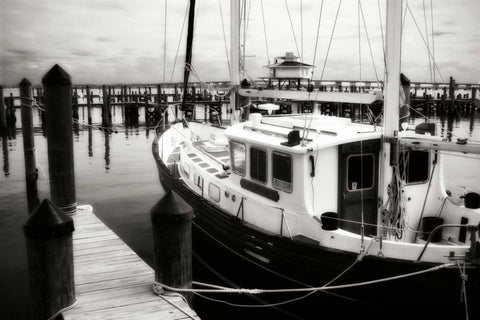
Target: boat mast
(188, 55)
(392, 81)
(391, 95)
(234, 56)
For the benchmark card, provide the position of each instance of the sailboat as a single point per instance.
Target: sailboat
(346, 209)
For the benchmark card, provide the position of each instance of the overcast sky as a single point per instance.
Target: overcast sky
(122, 41)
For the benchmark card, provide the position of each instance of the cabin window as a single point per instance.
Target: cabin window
(198, 180)
(238, 155)
(414, 166)
(282, 171)
(258, 165)
(214, 192)
(360, 172)
(186, 169)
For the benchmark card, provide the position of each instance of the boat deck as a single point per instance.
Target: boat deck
(111, 281)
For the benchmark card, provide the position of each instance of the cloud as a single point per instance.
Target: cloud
(82, 53)
(122, 40)
(444, 33)
(21, 53)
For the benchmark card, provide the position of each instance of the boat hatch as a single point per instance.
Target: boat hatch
(358, 187)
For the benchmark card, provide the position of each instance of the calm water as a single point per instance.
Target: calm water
(116, 174)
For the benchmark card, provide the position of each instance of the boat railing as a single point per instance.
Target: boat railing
(473, 240)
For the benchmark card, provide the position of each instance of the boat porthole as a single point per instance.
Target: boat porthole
(227, 194)
(234, 198)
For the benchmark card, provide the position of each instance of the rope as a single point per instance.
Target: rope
(433, 37)
(310, 289)
(421, 35)
(331, 38)
(63, 310)
(165, 40)
(70, 208)
(291, 25)
(301, 27)
(265, 31)
(246, 22)
(254, 305)
(208, 87)
(359, 41)
(161, 293)
(369, 44)
(426, 197)
(362, 226)
(224, 37)
(261, 301)
(316, 38)
(428, 43)
(179, 41)
(463, 290)
(37, 104)
(37, 164)
(381, 32)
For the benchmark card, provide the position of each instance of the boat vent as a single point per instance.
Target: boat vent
(293, 139)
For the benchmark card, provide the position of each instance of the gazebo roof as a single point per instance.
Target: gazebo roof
(289, 64)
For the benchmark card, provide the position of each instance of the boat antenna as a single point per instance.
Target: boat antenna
(188, 55)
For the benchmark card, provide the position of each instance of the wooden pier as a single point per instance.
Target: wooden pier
(111, 281)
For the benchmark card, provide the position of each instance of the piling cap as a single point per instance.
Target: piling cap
(56, 76)
(47, 220)
(25, 83)
(171, 208)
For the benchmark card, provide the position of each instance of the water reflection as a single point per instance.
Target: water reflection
(472, 122)
(450, 119)
(6, 164)
(107, 150)
(90, 139)
(76, 130)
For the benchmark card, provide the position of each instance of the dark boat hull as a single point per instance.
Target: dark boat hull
(250, 258)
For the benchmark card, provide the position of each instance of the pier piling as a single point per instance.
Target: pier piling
(172, 234)
(48, 231)
(105, 107)
(89, 106)
(3, 115)
(58, 100)
(75, 104)
(29, 144)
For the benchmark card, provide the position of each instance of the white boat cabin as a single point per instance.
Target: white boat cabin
(317, 178)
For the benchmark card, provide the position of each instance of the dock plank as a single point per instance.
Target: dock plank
(111, 281)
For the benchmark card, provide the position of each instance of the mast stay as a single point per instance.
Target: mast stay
(188, 54)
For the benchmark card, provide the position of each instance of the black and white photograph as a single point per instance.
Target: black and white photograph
(239, 159)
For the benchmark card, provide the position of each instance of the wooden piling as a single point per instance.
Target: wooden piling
(89, 106)
(75, 104)
(172, 234)
(451, 89)
(58, 100)
(3, 115)
(48, 231)
(29, 144)
(109, 104)
(105, 112)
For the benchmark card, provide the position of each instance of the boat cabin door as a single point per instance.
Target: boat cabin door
(358, 186)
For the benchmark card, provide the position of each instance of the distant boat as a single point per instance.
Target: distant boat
(301, 200)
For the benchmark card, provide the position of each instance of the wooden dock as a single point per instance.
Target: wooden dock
(111, 281)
